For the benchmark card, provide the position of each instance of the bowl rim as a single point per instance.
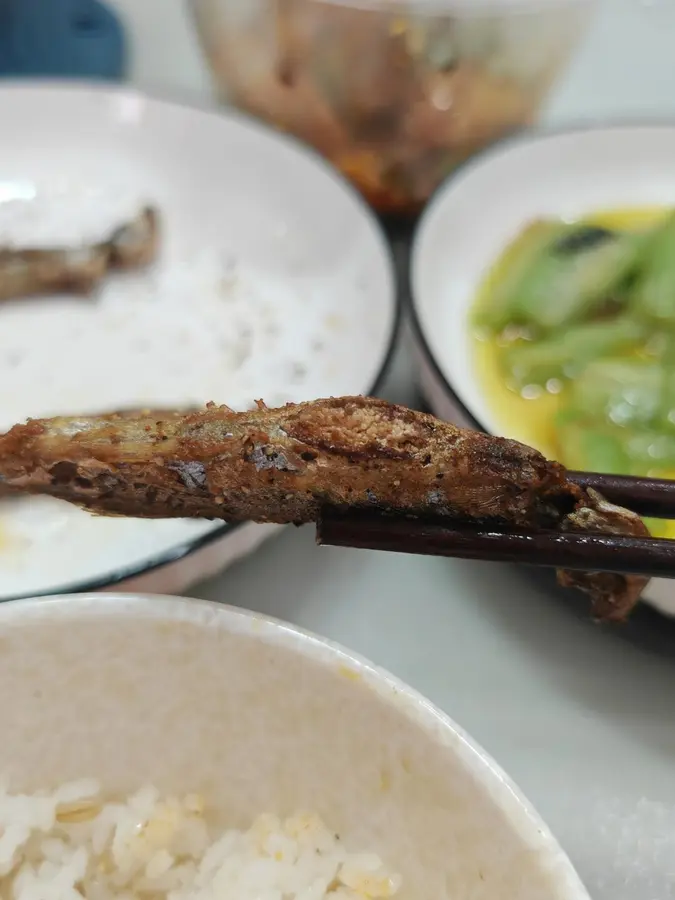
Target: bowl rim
(187, 547)
(480, 160)
(466, 9)
(420, 712)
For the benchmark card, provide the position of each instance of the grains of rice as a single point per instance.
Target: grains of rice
(71, 843)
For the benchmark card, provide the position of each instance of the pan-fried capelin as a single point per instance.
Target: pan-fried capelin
(31, 272)
(286, 465)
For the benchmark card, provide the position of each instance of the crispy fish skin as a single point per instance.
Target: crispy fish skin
(286, 465)
(29, 273)
(613, 595)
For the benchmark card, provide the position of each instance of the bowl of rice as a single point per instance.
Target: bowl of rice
(169, 748)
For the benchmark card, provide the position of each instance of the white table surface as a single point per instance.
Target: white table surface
(581, 717)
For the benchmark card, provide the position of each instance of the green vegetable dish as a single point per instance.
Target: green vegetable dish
(574, 338)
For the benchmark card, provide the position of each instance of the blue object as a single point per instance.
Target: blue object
(61, 39)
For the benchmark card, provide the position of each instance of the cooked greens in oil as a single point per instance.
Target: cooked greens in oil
(574, 333)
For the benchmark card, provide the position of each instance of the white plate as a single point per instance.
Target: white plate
(476, 214)
(275, 281)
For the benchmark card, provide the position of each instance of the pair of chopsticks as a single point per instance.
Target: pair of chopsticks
(588, 552)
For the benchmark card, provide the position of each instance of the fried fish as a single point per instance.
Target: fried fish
(28, 273)
(286, 465)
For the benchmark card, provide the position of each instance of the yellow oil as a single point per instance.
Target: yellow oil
(531, 420)
(5, 538)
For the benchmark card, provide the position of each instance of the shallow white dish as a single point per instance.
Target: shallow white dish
(193, 696)
(274, 281)
(479, 210)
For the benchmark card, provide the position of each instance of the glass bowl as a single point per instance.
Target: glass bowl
(395, 94)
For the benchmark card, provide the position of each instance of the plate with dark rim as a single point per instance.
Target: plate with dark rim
(477, 213)
(274, 281)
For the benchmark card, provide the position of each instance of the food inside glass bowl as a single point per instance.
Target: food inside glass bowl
(395, 94)
(574, 331)
(75, 843)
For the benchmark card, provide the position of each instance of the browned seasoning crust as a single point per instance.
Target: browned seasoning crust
(285, 465)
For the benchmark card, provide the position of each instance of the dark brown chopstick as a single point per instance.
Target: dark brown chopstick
(653, 497)
(582, 552)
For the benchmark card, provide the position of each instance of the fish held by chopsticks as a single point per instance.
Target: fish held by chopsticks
(286, 465)
(77, 270)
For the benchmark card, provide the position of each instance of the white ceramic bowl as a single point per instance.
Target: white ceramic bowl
(251, 218)
(259, 716)
(475, 215)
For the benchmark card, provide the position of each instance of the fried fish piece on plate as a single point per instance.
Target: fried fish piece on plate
(77, 270)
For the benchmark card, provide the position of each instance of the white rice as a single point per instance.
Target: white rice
(71, 844)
